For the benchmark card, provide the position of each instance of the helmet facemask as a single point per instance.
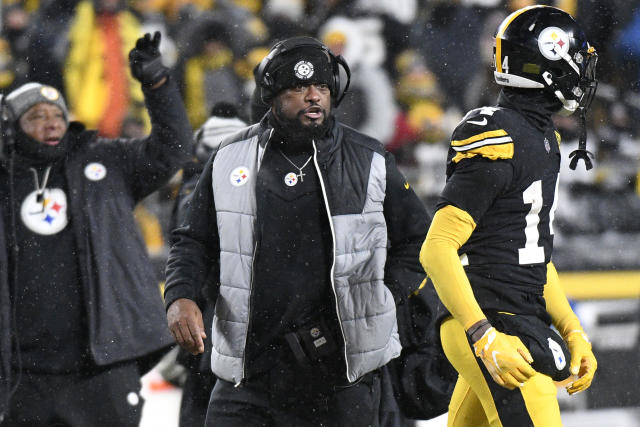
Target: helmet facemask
(576, 88)
(588, 83)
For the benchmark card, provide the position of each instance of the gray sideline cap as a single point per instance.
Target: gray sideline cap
(30, 94)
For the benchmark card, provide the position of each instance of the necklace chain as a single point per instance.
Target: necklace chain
(40, 188)
(300, 175)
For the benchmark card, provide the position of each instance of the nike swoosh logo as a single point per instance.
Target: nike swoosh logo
(480, 123)
(406, 185)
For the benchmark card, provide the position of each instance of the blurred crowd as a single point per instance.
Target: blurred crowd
(417, 66)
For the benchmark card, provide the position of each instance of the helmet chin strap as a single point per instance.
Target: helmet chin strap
(582, 153)
(569, 106)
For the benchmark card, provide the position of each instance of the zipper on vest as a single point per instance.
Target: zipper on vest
(253, 261)
(246, 335)
(333, 258)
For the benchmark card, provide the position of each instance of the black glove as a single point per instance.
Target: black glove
(145, 60)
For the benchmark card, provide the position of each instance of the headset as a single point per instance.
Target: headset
(264, 78)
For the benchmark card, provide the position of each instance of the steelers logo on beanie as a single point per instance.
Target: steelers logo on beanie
(301, 67)
(303, 70)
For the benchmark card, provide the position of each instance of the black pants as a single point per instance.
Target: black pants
(288, 395)
(106, 397)
(195, 398)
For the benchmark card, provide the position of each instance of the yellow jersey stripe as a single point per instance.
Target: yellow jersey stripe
(478, 137)
(482, 143)
(491, 152)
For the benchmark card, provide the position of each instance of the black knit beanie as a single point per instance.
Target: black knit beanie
(299, 67)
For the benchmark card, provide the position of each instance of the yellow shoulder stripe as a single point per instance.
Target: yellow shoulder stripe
(490, 137)
(491, 152)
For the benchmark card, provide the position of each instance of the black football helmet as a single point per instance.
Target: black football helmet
(543, 47)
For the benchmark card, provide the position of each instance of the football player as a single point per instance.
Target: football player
(489, 246)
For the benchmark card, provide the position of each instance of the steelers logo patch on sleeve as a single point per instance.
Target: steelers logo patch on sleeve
(46, 214)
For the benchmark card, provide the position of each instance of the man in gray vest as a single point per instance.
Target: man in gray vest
(305, 236)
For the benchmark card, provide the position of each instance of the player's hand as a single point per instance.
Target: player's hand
(505, 357)
(185, 323)
(583, 362)
(145, 61)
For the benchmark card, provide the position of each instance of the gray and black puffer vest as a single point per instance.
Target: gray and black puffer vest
(353, 184)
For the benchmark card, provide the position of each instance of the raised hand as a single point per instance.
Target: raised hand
(145, 61)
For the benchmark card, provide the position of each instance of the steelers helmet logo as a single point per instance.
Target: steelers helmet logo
(303, 70)
(46, 213)
(553, 43)
(49, 93)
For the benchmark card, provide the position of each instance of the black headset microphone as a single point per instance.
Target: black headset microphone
(264, 76)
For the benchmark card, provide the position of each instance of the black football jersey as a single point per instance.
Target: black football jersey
(503, 171)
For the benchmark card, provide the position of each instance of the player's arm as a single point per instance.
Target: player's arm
(450, 229)
(583, 362)
(504, 356)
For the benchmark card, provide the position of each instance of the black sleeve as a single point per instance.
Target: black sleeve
(407, 224)
(474, 185)
(194, 256)
(151, 161)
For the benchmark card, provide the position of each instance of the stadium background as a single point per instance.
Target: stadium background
(417, 66)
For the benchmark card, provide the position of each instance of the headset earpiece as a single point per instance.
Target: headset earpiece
(340, 94)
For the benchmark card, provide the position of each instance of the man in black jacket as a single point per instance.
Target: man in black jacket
(305, 235)
(86, 313)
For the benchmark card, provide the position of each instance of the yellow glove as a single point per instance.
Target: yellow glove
(505, 357)
(583, 362)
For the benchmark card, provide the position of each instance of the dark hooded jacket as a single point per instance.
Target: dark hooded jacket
(126, 318)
